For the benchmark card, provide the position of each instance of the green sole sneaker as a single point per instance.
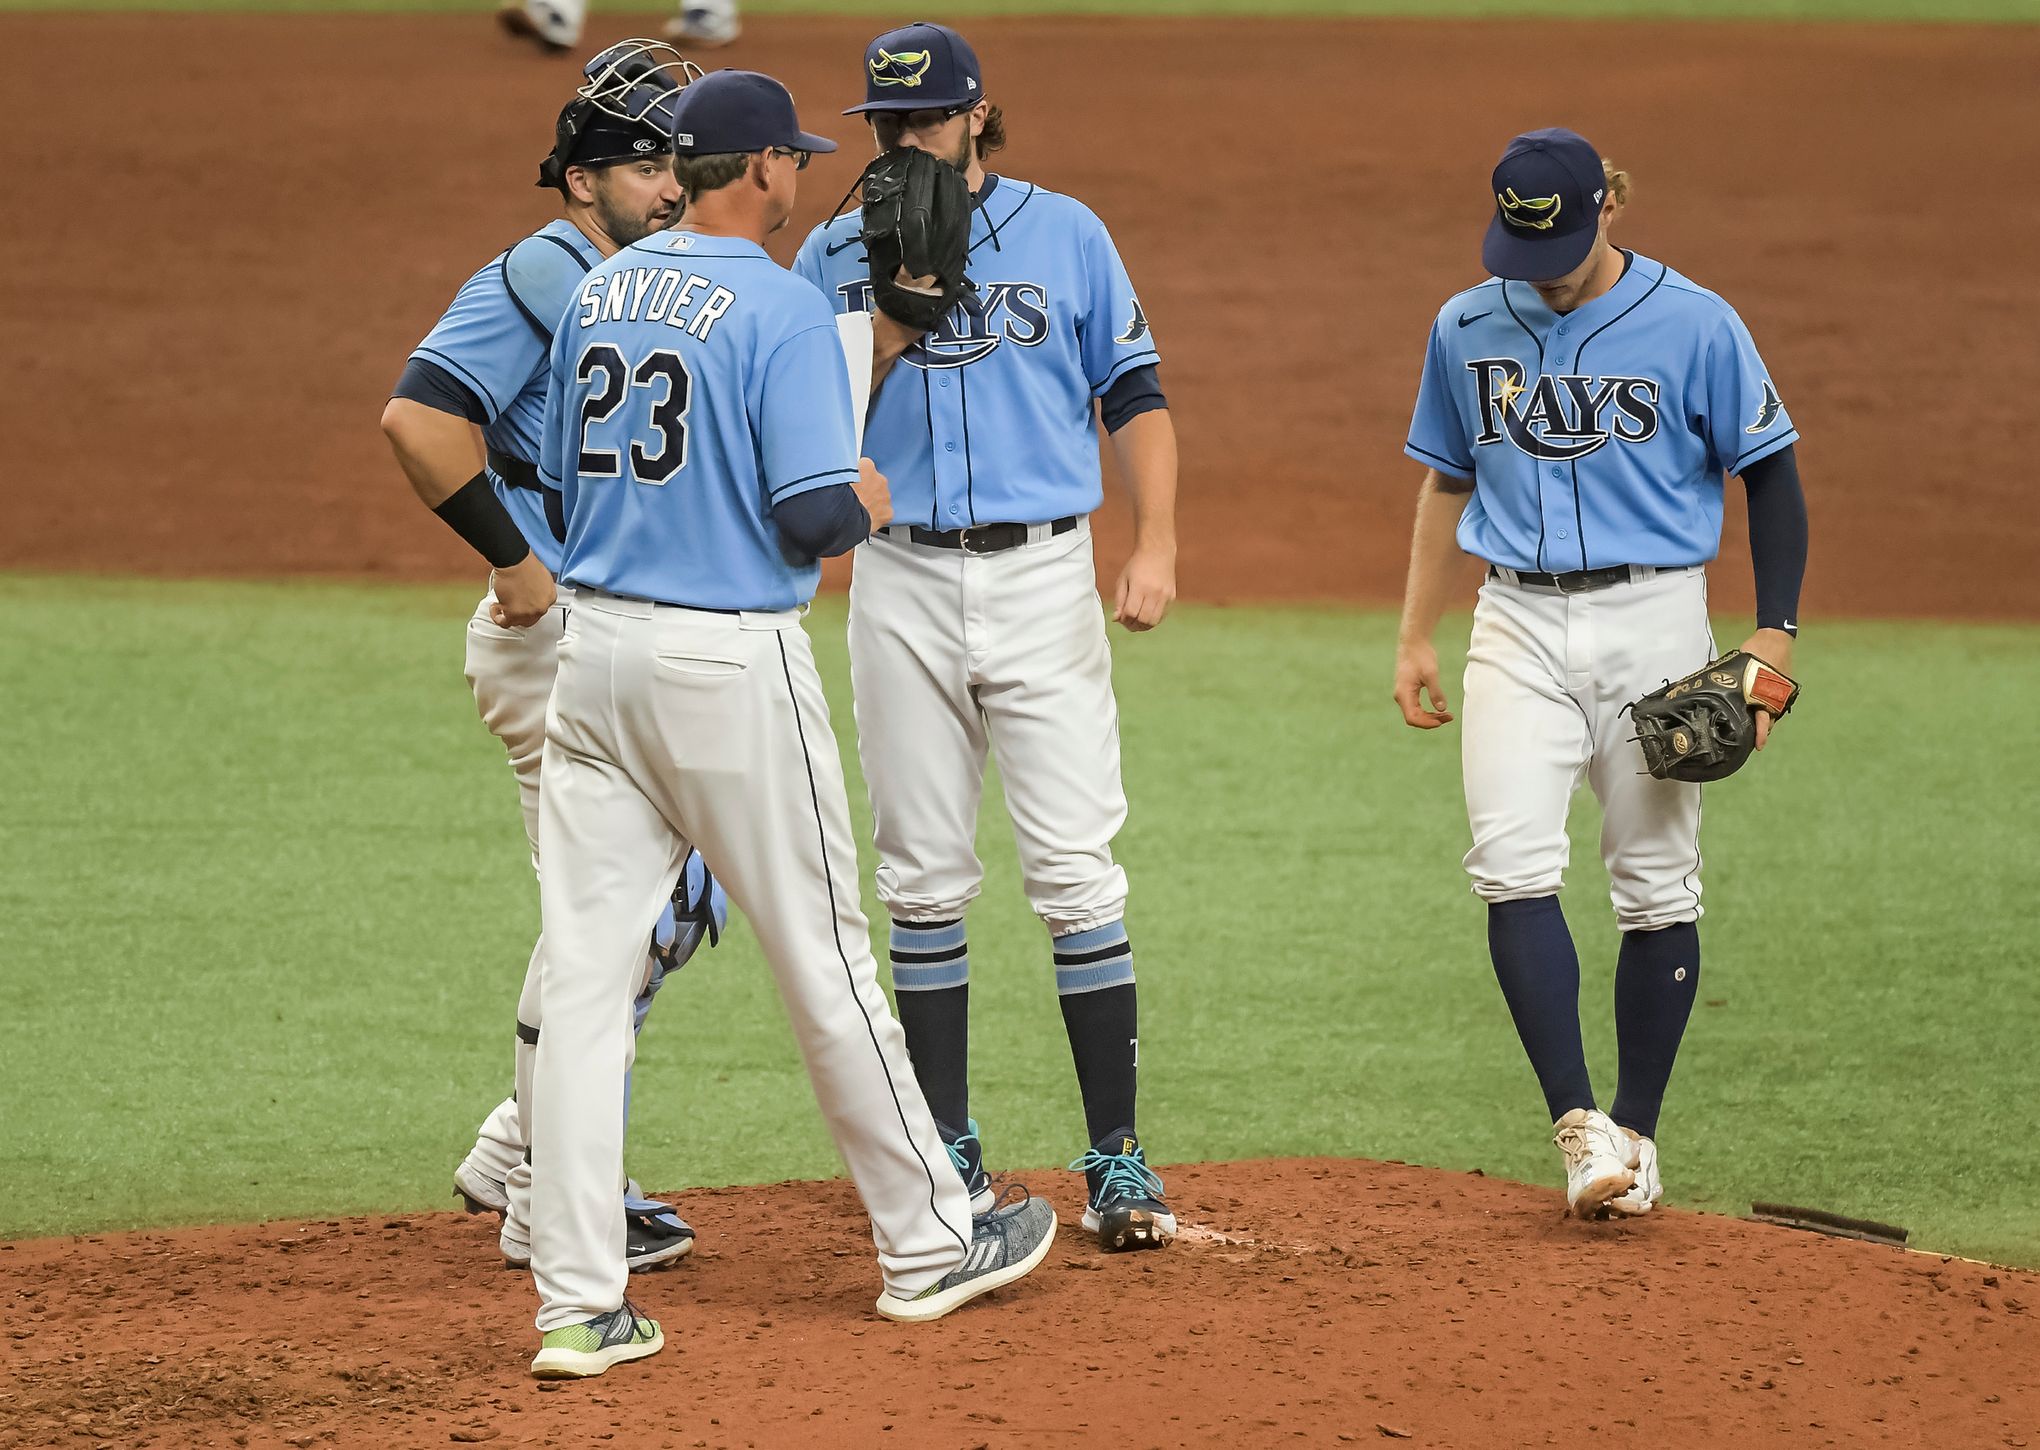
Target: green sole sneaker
(582, 1351)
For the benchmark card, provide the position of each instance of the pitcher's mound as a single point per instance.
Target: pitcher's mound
(1312, 1302)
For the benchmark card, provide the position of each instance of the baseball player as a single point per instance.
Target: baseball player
(483, 367)
(1577, 414)
(554, 26)
(974, 617)
(700, 429)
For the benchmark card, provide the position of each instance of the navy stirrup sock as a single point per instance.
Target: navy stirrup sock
(931, 992)
(1540, 976)
(1094, 981)
(1656, 978)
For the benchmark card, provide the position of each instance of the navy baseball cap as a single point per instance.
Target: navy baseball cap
(920, 67)
(739, 111)
(1548, 191)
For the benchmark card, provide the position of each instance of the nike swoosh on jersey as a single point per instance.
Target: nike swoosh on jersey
(835, 247)
(1465, 321)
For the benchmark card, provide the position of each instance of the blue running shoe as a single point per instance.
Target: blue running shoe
(1005, 1245)
(1126, 1209)
(967, 1157)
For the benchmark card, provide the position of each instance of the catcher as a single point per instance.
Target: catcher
(1577, 416)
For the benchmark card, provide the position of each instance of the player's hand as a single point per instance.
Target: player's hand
(1773, 647)
(1147, 587)
(1416, 672)
(524, 592)
(874, 494)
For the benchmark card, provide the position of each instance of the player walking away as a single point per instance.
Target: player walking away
(554, 26)
(484, 367)
(700, 429)
(1576, 417)
(974, 618)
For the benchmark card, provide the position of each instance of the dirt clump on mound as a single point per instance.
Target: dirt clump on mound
(1320, 1301)
(275, 209)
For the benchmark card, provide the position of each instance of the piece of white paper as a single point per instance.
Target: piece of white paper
(853, 330)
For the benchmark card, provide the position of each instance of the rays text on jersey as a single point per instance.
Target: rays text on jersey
(1561, 416)
(998, 312)
(667, 294)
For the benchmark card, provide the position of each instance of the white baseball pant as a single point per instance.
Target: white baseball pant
(952, 654)
(674, 726)
(511, 672)
(1547, 677)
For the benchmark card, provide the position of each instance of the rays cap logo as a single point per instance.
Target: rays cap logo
(905, 69)
(920, 67)
(1548, 190)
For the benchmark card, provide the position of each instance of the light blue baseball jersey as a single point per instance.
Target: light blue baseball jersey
(988, 418)
(695, 384)
(1600, 437)
(496, 338)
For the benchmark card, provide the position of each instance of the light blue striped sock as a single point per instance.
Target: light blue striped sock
(1091, 961)
(928, 956)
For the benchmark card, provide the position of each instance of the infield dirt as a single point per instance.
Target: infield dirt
(1309, 1302)
(229, 231)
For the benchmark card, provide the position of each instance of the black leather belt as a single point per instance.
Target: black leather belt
(1580, 581)
(984, 538)
(514, 470)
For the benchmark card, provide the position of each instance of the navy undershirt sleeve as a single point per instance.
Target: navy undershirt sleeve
(822, 522)
(435, 387)
(1777, 537)
(1132, 393)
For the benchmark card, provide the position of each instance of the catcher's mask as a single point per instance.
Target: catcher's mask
(623, 111)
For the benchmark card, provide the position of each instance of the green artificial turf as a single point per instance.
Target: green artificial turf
(1999, 11)
(264, 909)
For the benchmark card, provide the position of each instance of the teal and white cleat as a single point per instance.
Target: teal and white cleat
(1126, 1208)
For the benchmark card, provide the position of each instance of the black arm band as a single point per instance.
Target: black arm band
(1132, 393)
(822, 522)
(477, 515)
(1777, 537)
(432, 385)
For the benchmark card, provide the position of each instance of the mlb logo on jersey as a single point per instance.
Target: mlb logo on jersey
(1560, 416)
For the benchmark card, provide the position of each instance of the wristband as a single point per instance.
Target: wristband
(477, 515)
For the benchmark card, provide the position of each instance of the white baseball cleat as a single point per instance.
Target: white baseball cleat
(705, 27)
(1643, 1195)
(551, 28)
(477, 1191)
(1597, 1165)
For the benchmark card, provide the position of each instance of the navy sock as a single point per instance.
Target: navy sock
(1540, 976)
(1094, 981)
(1656, 979)
(931, 992)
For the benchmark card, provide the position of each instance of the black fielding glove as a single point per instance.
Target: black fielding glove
(1704, 727)
(916, 221)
